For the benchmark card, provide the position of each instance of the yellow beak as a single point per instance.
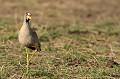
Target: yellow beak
(29, 17)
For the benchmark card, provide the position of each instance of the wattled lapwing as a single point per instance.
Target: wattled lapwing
(28, 37)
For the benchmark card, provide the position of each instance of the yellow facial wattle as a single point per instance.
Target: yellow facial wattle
(28, 17)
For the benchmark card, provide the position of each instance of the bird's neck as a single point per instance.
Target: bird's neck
(26, 25)
(26, 22)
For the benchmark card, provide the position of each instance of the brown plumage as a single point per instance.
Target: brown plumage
(27, 36)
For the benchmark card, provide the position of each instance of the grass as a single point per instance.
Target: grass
(76, 43)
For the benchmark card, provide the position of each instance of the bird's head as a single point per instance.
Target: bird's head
(28, 16)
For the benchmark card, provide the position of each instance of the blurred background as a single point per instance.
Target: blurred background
(91, 11)
(81, 39)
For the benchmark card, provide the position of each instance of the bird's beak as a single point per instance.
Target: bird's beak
(29, 17)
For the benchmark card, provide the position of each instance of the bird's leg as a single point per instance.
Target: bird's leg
(33, 54)
(27, 59)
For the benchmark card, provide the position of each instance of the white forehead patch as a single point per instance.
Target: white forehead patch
(28, 13)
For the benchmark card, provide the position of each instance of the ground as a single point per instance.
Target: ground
(79, 38)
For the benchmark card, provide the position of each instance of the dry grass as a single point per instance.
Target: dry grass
(80, 39)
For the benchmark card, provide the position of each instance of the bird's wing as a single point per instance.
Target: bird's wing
(36, 39)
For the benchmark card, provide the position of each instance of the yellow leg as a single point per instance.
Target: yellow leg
(33, 54)
(27, 60)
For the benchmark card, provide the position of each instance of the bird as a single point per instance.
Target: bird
(28, 38)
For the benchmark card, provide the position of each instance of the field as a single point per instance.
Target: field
(80, 39)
